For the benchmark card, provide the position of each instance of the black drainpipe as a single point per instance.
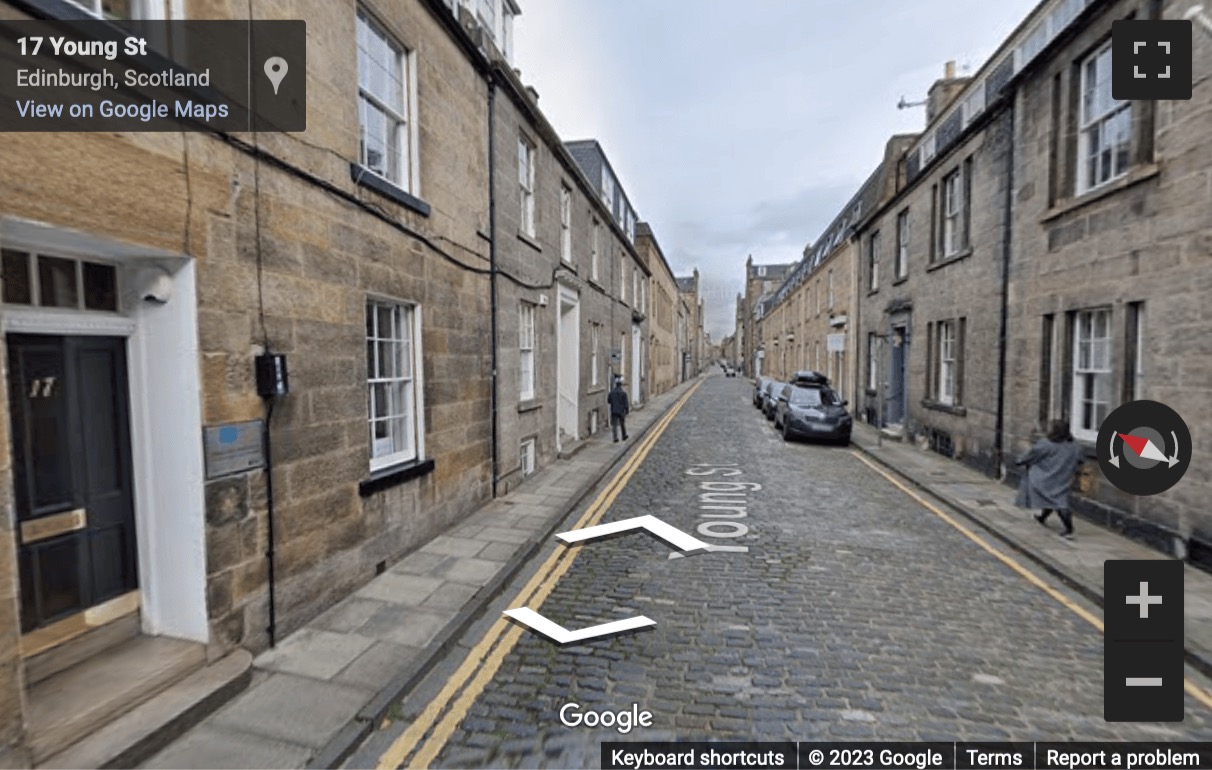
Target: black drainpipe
(269, 519)
(492, 277)
(1007, 251)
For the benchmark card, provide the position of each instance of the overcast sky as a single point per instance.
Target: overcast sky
(741, 128)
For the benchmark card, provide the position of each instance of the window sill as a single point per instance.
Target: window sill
(871, 392)
(366, 178)
(394, 475)
(950, 260)
(1135, 176)
(593, 391)
(872, 292)
(900, 280)
(939, 406)
(59, 9)
(529, 405)
(529, 241)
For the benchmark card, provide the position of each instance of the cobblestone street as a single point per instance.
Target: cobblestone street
(854, 614)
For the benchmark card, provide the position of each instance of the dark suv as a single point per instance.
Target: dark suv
(808, 407)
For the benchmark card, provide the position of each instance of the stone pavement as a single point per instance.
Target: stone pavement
(315, 697)
(1079, 562)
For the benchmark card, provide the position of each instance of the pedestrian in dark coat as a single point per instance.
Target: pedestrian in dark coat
(619, 408)
(1051, 465)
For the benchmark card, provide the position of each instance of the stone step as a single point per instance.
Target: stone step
(70, 705)
(143, 731)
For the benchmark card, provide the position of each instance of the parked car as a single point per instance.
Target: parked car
(808, 407)
(770, 397)
(729, 371)
(758, 389)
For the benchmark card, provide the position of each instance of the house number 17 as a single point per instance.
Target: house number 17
(42, 387)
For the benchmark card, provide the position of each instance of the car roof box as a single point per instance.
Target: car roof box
(810, 377)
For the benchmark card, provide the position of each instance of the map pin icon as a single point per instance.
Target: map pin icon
(275, 70)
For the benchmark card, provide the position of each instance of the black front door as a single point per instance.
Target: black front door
(898, 356)
(72, 473)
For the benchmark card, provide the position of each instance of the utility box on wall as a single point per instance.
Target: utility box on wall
(272, 379)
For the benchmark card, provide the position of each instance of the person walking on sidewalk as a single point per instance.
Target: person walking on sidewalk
(619, 407)
(1051, 465)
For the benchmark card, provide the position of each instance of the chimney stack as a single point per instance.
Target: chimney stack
(944, 91)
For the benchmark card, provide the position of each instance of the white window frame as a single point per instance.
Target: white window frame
(526, 159)
(141, 10)
(901, 269)
(594, 359)
(873, 261)
(873, 382)
(404, 374)
(526, 351)
(526, 456)
(401, 130)
(595, 246)
(565, 223)
(953, 212)
(623, 277)
(830, 284)
(608, 190)
(1101, 115)
(1091, 367)
(946, 361)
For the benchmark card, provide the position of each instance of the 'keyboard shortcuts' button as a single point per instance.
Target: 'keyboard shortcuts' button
(1143, 641)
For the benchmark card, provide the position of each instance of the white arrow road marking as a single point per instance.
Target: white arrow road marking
(561, 635)
(670, 534)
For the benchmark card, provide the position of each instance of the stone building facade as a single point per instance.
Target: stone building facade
(625, 274)
(664, 352)
(367, 263)
(760, 281)
(572, 289)
(1112, 264)
(1035, 254)
(930, 285)
(694, 357)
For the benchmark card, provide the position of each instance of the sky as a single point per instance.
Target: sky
(742, 127)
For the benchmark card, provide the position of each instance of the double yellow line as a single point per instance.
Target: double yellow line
(1192, 689)
(441, 717)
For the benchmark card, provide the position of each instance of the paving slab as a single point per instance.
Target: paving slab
(501, 552)
(377, 665)
(347, 615)
(418, 563)
(293, 709)
(314, 652)
(452, 546)
(475, 572)
(214, 747)
(395, 588)
(451, 596)
(504, 535)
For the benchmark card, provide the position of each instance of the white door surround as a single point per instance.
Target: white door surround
(568, 366)
(165, 409)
